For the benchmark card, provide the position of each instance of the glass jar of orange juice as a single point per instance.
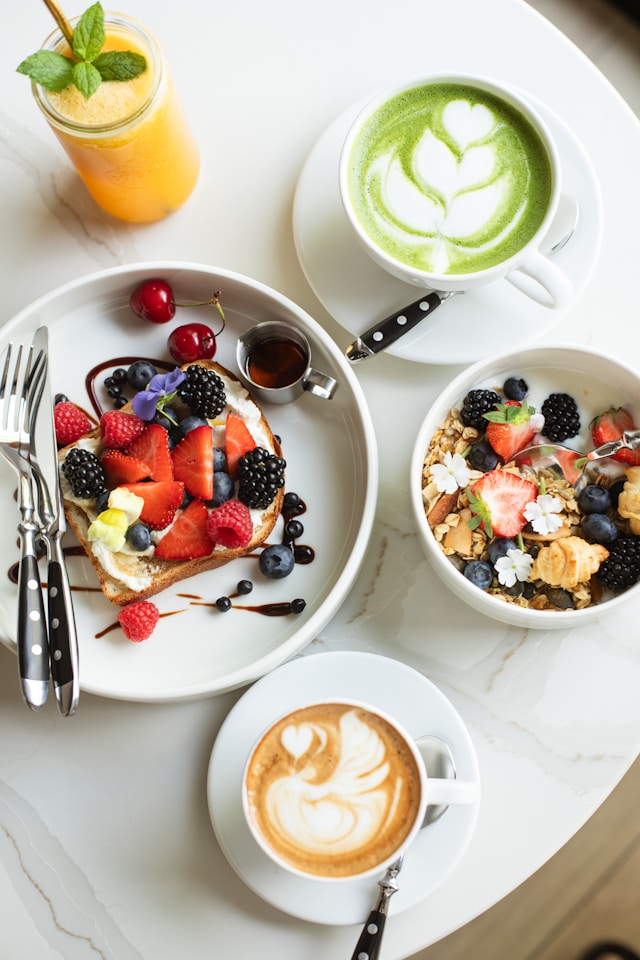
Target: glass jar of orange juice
(129, 141)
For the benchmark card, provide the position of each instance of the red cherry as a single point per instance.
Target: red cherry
(153, 301)
(192, 341)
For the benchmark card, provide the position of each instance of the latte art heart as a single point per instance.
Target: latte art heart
(467, 123)
(449, 179)
(333, 789)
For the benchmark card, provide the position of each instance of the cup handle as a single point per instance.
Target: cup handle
(541, 280)
(319, 384)
(451, 791)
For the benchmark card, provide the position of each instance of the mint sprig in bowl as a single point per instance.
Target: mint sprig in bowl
(88, 65)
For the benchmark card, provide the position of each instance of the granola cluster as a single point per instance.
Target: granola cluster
(448, 515)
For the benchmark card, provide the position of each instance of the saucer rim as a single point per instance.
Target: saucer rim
(291, 685)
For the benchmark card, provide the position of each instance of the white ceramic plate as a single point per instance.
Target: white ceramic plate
(357, 293)
(331, 463)
(384, 683)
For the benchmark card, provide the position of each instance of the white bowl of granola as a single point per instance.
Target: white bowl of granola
(520, 546)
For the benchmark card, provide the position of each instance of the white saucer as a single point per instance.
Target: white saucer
(357, 293)
(388, 684)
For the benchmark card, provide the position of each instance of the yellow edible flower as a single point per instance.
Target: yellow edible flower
(110, 527)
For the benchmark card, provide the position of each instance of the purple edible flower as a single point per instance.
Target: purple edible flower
(158, 391)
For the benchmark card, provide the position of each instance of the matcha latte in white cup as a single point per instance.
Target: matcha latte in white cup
(452, 182)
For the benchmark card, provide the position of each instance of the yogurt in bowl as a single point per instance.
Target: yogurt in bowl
(518, 546)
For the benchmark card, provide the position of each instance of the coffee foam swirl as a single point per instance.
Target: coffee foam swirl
(333, 789)
(449, 179)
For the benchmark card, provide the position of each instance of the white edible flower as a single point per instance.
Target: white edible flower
(452, 474)
(516, 565)
(543, 512)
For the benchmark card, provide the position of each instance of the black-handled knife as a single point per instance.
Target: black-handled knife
(396, 325)
(63, 639)
(33, 651)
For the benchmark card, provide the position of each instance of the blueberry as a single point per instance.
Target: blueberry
(298, 605)
(167, 418)
(276, 561)
(479, 573)
(223, 604)
(190, 423)
(102, 501)
(223, 487)
(140, 373)
(292, 504)
(615, 490)
(499, 548)
(293, 529)
(244, 587)
(594, 499)
(515, 388)
(219, 460)
(483, 457)
(139, 537)
(599, 528)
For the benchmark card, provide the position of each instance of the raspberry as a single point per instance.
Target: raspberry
(230, 525)
(138, 620)
(118, 429)
(71, 422)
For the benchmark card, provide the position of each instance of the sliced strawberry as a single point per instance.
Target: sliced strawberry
(610, 425)
(193, 462)
(161, 501)
(238, 441)
(188, 537)
(498, 501)
(119, 468)
(152, 446)
(510, 428)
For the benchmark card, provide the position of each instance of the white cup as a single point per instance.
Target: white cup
(336, 790)
(431, 210)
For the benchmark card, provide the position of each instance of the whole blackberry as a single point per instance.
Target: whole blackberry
(260, 476)
(84, 472)
(621, 569)
(475, 405)
(203, 391)
(561, 417)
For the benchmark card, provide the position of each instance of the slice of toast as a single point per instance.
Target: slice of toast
(127, 576)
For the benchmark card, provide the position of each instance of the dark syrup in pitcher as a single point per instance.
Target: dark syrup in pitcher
(276, 363)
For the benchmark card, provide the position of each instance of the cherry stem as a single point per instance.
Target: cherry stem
(214, 300)
(61, 20)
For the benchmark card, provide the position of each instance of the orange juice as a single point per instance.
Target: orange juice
(129, 141)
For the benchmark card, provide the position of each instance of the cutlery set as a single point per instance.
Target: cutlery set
(47, 643)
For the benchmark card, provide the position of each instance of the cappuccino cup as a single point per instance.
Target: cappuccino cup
(452, 182)
(336, 790)
(274, 361)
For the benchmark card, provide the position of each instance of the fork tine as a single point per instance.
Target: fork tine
(3, 388)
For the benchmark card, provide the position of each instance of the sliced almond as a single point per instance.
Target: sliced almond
(460, 538)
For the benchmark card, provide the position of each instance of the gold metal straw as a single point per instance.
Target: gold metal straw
(61, 20)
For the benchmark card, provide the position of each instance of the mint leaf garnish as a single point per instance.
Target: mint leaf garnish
(88, 36)
(114, 65)
(88, 67)
(49, 69)
(86, 78)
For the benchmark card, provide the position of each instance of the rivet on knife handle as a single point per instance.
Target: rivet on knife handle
(385, 333)
(63, 642)
(33, 646)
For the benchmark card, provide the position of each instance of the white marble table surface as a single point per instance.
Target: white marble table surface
(106, 848)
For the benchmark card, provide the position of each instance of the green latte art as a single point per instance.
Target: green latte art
(449, 179)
